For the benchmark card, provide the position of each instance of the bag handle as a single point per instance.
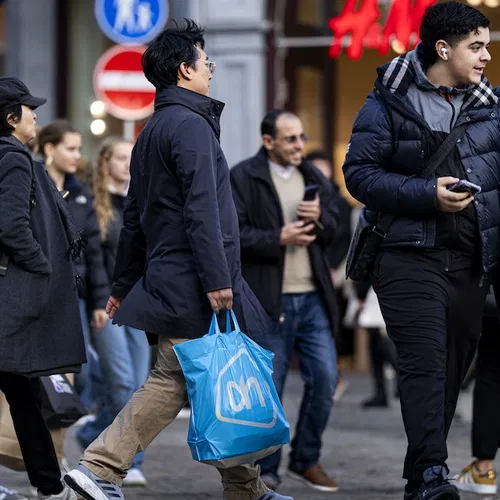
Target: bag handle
(386, 220)
(231, 316)
(214, 324)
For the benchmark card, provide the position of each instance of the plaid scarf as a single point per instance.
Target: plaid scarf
(397, 76)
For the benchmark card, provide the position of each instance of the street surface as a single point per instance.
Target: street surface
(363, 449)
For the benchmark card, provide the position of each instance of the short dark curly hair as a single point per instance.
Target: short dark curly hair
(449, 21)
(169, 50)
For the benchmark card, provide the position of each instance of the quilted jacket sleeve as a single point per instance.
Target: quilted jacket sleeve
(366, 174)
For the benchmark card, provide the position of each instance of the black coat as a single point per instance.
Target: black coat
(90, 265)
(180, 238)
(40, 329)
(261, 220)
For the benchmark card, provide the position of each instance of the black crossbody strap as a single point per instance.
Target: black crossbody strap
(432, 164)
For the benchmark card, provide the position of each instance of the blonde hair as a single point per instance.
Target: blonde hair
(100, 183)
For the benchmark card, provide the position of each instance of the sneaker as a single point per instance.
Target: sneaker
(66, 494)
(315, 477)
(272, 495)
(7, 494)
(84, 420)
(436, 485)
(92, 487)
(135, 477)
(470, 480)
(376, 402)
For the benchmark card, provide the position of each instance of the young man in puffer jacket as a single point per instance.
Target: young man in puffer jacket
(433, 269)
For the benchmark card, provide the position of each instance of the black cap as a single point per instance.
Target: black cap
(13, 91)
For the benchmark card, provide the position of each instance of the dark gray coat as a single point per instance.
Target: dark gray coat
(40, 329)
(180, 238)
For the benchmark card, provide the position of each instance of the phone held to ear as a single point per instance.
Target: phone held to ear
(464, 186)
(310, 192)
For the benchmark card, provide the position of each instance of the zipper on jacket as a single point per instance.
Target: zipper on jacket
(446, 259)
(448, 98)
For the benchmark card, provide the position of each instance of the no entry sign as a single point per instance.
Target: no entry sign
(120, 83)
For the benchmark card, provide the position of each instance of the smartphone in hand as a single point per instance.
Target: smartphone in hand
(464, 186)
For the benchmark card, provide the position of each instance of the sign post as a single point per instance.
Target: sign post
(131, 21)
(120, 83)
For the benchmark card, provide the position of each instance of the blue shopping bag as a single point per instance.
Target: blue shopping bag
(236, 414)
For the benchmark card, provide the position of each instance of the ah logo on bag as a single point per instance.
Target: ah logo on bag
(60, 385)
(240, 402)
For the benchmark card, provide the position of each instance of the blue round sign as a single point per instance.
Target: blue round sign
(131, 21)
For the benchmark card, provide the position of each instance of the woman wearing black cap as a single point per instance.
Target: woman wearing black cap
(40, 331)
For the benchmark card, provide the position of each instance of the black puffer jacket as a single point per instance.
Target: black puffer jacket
(388, 150)
(90, 266)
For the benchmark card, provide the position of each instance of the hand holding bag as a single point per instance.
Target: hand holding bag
(236, 414)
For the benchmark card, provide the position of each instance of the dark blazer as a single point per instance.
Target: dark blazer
(261, 220)
(40, 329)
(180, 238)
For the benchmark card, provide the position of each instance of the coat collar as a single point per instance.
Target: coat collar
(397, 76)
(209, 108)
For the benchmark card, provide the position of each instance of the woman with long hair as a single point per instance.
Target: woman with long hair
(124, 353)
(59, 143)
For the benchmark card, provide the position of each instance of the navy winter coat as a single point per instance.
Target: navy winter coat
(389, 148)
(180, 238)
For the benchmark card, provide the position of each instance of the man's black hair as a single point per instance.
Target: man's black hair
(268, 124)
(169, 50)
(448, 21)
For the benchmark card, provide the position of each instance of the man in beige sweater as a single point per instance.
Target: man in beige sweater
(284, 242)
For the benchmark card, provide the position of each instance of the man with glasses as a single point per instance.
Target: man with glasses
(284, 243)
(177, 261)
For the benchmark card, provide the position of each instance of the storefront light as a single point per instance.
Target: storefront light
(492, 3)
(474, 3)
(97, 109)
(98, 127)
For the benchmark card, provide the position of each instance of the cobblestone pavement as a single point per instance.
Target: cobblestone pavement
(364, 450)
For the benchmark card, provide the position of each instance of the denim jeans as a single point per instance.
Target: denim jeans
(124, 359)
(88, 381)
(306, 329)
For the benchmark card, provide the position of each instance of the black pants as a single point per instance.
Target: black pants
(382, 350)
(23, 396)
(486, 410)
(432, 304)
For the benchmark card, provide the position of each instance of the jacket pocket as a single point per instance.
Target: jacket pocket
(24, 295)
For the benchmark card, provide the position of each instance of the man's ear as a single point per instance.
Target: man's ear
(11, 120)
(268, 142)
(186, 71)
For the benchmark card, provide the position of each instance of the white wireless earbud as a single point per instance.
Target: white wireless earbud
(444, 51)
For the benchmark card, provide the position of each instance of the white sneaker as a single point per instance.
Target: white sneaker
(84, 420)
(184, 414)
(135, 477)
(66, 494)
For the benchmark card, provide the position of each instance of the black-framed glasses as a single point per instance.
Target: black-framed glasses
(292, 139)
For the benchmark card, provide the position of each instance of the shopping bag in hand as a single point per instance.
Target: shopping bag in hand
(61, 405)
(236, 414)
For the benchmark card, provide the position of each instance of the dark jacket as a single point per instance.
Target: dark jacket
(390, 145)
(180, 238)
(110, 242)
(40, 329)
(90, 265)
(261, 219)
